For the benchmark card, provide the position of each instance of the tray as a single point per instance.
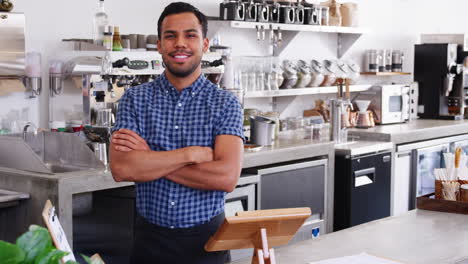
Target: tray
(426, 203)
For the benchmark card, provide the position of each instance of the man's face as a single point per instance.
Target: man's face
(181, 44)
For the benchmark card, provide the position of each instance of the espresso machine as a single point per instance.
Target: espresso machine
(103, 79)
(443, 80)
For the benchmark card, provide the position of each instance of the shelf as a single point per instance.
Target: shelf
(385, 73)
(303, 91)
(347, 36)
(289, 27)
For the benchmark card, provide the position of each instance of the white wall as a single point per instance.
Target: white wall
(394, 24)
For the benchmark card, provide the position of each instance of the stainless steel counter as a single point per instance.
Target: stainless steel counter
(415, 237)
(417, 130)
(354, 148)
(287, 150)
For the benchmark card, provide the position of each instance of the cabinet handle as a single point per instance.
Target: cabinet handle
(364, 177)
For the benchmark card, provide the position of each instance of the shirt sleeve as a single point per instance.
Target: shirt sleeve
(231, 120)
(126, 114)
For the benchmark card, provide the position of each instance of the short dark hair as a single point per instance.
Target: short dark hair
(182, 7)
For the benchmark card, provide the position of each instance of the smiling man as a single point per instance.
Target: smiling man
(180, 139)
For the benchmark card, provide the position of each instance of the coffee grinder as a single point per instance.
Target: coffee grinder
(443, 87)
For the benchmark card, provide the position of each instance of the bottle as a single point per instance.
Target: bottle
(107, 41)
(116, 41)
(100, 22)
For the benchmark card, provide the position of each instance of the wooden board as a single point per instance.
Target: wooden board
(241, 231)
(56, 231)
(426, 203)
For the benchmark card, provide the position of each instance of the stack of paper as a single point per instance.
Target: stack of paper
(362, 258)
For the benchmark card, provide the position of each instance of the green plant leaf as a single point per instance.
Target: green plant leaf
(11, 253)
(51, 257)
(87, 259)
(34, 243)
(71, 262)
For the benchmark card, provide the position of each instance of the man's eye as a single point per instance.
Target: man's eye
(168, 36)
(192, 35)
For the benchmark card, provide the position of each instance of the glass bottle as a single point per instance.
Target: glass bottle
(116, 41)
(99, 23)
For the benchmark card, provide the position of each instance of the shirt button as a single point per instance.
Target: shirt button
(172, 203)
(176, 127)
(193, 94)
(180, 105)
(172, 227)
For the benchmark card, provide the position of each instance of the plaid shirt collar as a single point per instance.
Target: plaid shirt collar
(193, 89)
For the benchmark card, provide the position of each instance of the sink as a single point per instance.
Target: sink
(47, 152)
(61, 168)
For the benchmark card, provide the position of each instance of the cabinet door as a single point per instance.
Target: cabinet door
(295, 185)
(427, 160)
(401, 183)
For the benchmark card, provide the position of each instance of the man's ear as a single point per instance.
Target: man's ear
(206, 44)
(158, 44)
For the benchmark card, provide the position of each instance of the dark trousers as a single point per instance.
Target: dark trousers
(155, 244)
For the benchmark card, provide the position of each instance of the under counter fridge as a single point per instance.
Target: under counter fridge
(414, 169)
(362, 188)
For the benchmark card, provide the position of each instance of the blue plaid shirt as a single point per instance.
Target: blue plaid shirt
(168, 120)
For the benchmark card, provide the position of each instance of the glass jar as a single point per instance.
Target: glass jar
(325, 16)
(372, 63)
(354, 72)
(330, 72)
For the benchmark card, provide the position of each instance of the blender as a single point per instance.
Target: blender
(363, 120)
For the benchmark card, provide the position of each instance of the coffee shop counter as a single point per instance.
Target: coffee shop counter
(60, 188)
(416, 130)
(417, 236)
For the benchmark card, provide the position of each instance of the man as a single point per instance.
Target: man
(180, 139)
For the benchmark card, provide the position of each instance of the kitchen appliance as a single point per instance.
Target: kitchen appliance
(362, 188)
(17, 69)
(363, 117)
(443, 88)
(232, 10)
(243, 198)
(297, 184)
(338, 130)
(390, 103)
(262, 130)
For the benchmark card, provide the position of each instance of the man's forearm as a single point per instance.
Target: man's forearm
(215, 175)
(142, 166)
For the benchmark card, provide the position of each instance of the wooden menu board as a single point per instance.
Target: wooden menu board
(260, 230)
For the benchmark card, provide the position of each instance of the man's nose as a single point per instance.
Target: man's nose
(180, 42)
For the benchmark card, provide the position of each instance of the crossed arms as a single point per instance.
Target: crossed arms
(131, 159)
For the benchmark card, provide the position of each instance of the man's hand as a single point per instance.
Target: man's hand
(127, 140)
(200, 154)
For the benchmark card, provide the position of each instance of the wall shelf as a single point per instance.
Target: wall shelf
(385, 73)
(347, 36)
(303, 91)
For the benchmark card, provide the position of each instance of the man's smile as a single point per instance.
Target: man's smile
(180, 57)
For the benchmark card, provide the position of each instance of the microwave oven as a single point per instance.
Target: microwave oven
(389, 103)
